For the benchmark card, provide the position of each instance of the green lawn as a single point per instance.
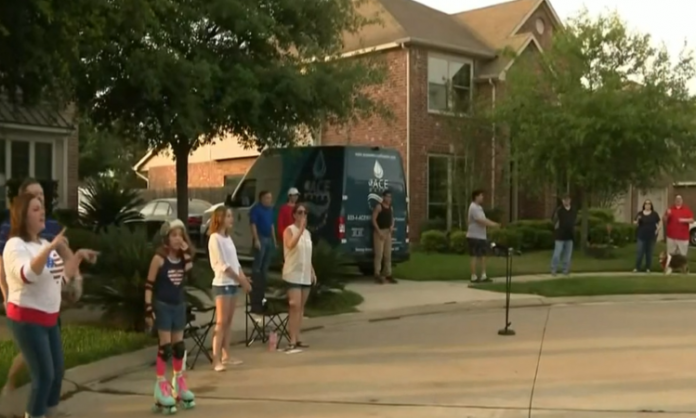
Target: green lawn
(82, 345)
(643, 284)
(429, 267)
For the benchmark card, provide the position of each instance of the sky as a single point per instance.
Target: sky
(668, 21)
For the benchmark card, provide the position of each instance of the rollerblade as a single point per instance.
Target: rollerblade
(164, 401)
(182, 392)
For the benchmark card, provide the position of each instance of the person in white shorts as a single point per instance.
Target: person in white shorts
(678, 219)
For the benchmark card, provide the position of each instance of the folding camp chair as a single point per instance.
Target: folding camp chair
(198, 334)
(275, 319)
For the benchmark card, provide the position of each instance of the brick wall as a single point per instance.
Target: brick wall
(204, 174)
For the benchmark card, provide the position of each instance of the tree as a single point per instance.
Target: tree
(602, 109)
(103, 152)
(179, 73)
(40, 46)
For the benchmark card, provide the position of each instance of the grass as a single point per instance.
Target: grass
(601, 285)
(334, 303)
(446, 267)
(81, 345)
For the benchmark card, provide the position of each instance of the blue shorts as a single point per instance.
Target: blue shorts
(227, 290)
(169, 318)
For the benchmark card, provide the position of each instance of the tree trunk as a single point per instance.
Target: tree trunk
(181, 154)
(585, 218)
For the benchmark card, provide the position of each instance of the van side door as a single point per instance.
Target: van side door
(241, 231)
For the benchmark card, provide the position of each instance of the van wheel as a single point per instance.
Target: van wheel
(367, 270)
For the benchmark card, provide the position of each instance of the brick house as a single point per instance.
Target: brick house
(39, 142)
(220, 164)
(431, 55)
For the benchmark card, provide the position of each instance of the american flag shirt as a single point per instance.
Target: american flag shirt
(169, 284)
(32, 297)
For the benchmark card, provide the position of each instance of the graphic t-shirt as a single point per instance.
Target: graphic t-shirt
(169, 282)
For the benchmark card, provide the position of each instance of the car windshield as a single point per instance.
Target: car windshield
(198, 206)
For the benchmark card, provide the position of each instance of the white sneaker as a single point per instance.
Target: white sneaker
(635, 270)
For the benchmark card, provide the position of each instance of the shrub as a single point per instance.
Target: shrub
(509, 237)
(108, 203)
(433, 225)
(606, 215)
(458, 242)
(119, 288)
(433, 241)
(618, 234)
(79, 238)
(67, 217)
(535, 234)
(331, 266)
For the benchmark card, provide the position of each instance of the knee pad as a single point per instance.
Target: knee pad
(179, 349)
(165, 352)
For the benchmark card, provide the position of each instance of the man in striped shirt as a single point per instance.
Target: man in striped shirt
(53, 228)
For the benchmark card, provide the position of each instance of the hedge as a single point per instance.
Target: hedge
(531, 234)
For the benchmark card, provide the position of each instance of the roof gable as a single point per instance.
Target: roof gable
(498, 22)
(410, 21)
(41, 116)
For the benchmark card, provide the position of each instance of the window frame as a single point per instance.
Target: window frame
(450, 59)
(238, 198)
(162, 203)
(450, 202)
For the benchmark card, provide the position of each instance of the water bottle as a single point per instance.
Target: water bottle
(273, 341)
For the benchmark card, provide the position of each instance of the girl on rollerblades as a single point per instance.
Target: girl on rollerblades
(35, 270)
(165, 308)
(227, 280)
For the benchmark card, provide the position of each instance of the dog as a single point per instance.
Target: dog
(675, 262)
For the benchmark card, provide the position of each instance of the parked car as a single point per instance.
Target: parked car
(165, 210)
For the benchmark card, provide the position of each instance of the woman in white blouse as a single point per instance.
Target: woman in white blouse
(226, 282)
(298, 273)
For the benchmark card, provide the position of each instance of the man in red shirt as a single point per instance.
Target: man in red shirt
(678, 219)
(285, 218)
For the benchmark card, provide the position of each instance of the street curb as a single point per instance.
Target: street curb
(81, 377)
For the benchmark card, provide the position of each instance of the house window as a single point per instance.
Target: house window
(20, 157)
(446, 197)
(43, 160)
(449, 84)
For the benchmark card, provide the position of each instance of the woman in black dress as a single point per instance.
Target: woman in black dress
(647, 220)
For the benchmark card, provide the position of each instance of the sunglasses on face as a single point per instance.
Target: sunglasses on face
(301, 212)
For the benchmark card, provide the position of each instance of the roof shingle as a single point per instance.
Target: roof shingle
(495, 23)
(408, 20)
(41, 116)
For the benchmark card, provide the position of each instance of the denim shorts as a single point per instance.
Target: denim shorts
(298, 286)
(171, 318)
(227, 290)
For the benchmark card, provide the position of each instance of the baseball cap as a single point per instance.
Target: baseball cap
(293, 191)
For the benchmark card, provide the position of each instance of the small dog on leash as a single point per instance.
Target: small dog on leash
(675, 262)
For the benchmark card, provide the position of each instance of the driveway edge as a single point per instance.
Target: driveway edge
(81, 377)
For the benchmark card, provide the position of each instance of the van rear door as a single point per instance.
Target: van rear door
(370, 172)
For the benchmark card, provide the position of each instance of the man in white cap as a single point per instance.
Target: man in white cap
(285, 218)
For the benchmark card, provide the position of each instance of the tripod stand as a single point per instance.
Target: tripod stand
(507, 331)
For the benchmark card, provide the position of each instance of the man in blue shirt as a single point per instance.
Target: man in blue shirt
(263, 234)
(53, 228)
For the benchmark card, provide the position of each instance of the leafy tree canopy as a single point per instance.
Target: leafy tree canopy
(39, 47)
(180, 73)
(603, 108)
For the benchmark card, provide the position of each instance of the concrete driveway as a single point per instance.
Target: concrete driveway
(595, 360)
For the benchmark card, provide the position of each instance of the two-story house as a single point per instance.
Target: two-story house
(431, 57)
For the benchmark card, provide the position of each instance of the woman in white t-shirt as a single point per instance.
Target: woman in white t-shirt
(298, 273)
(36, 273)
(227, 280)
